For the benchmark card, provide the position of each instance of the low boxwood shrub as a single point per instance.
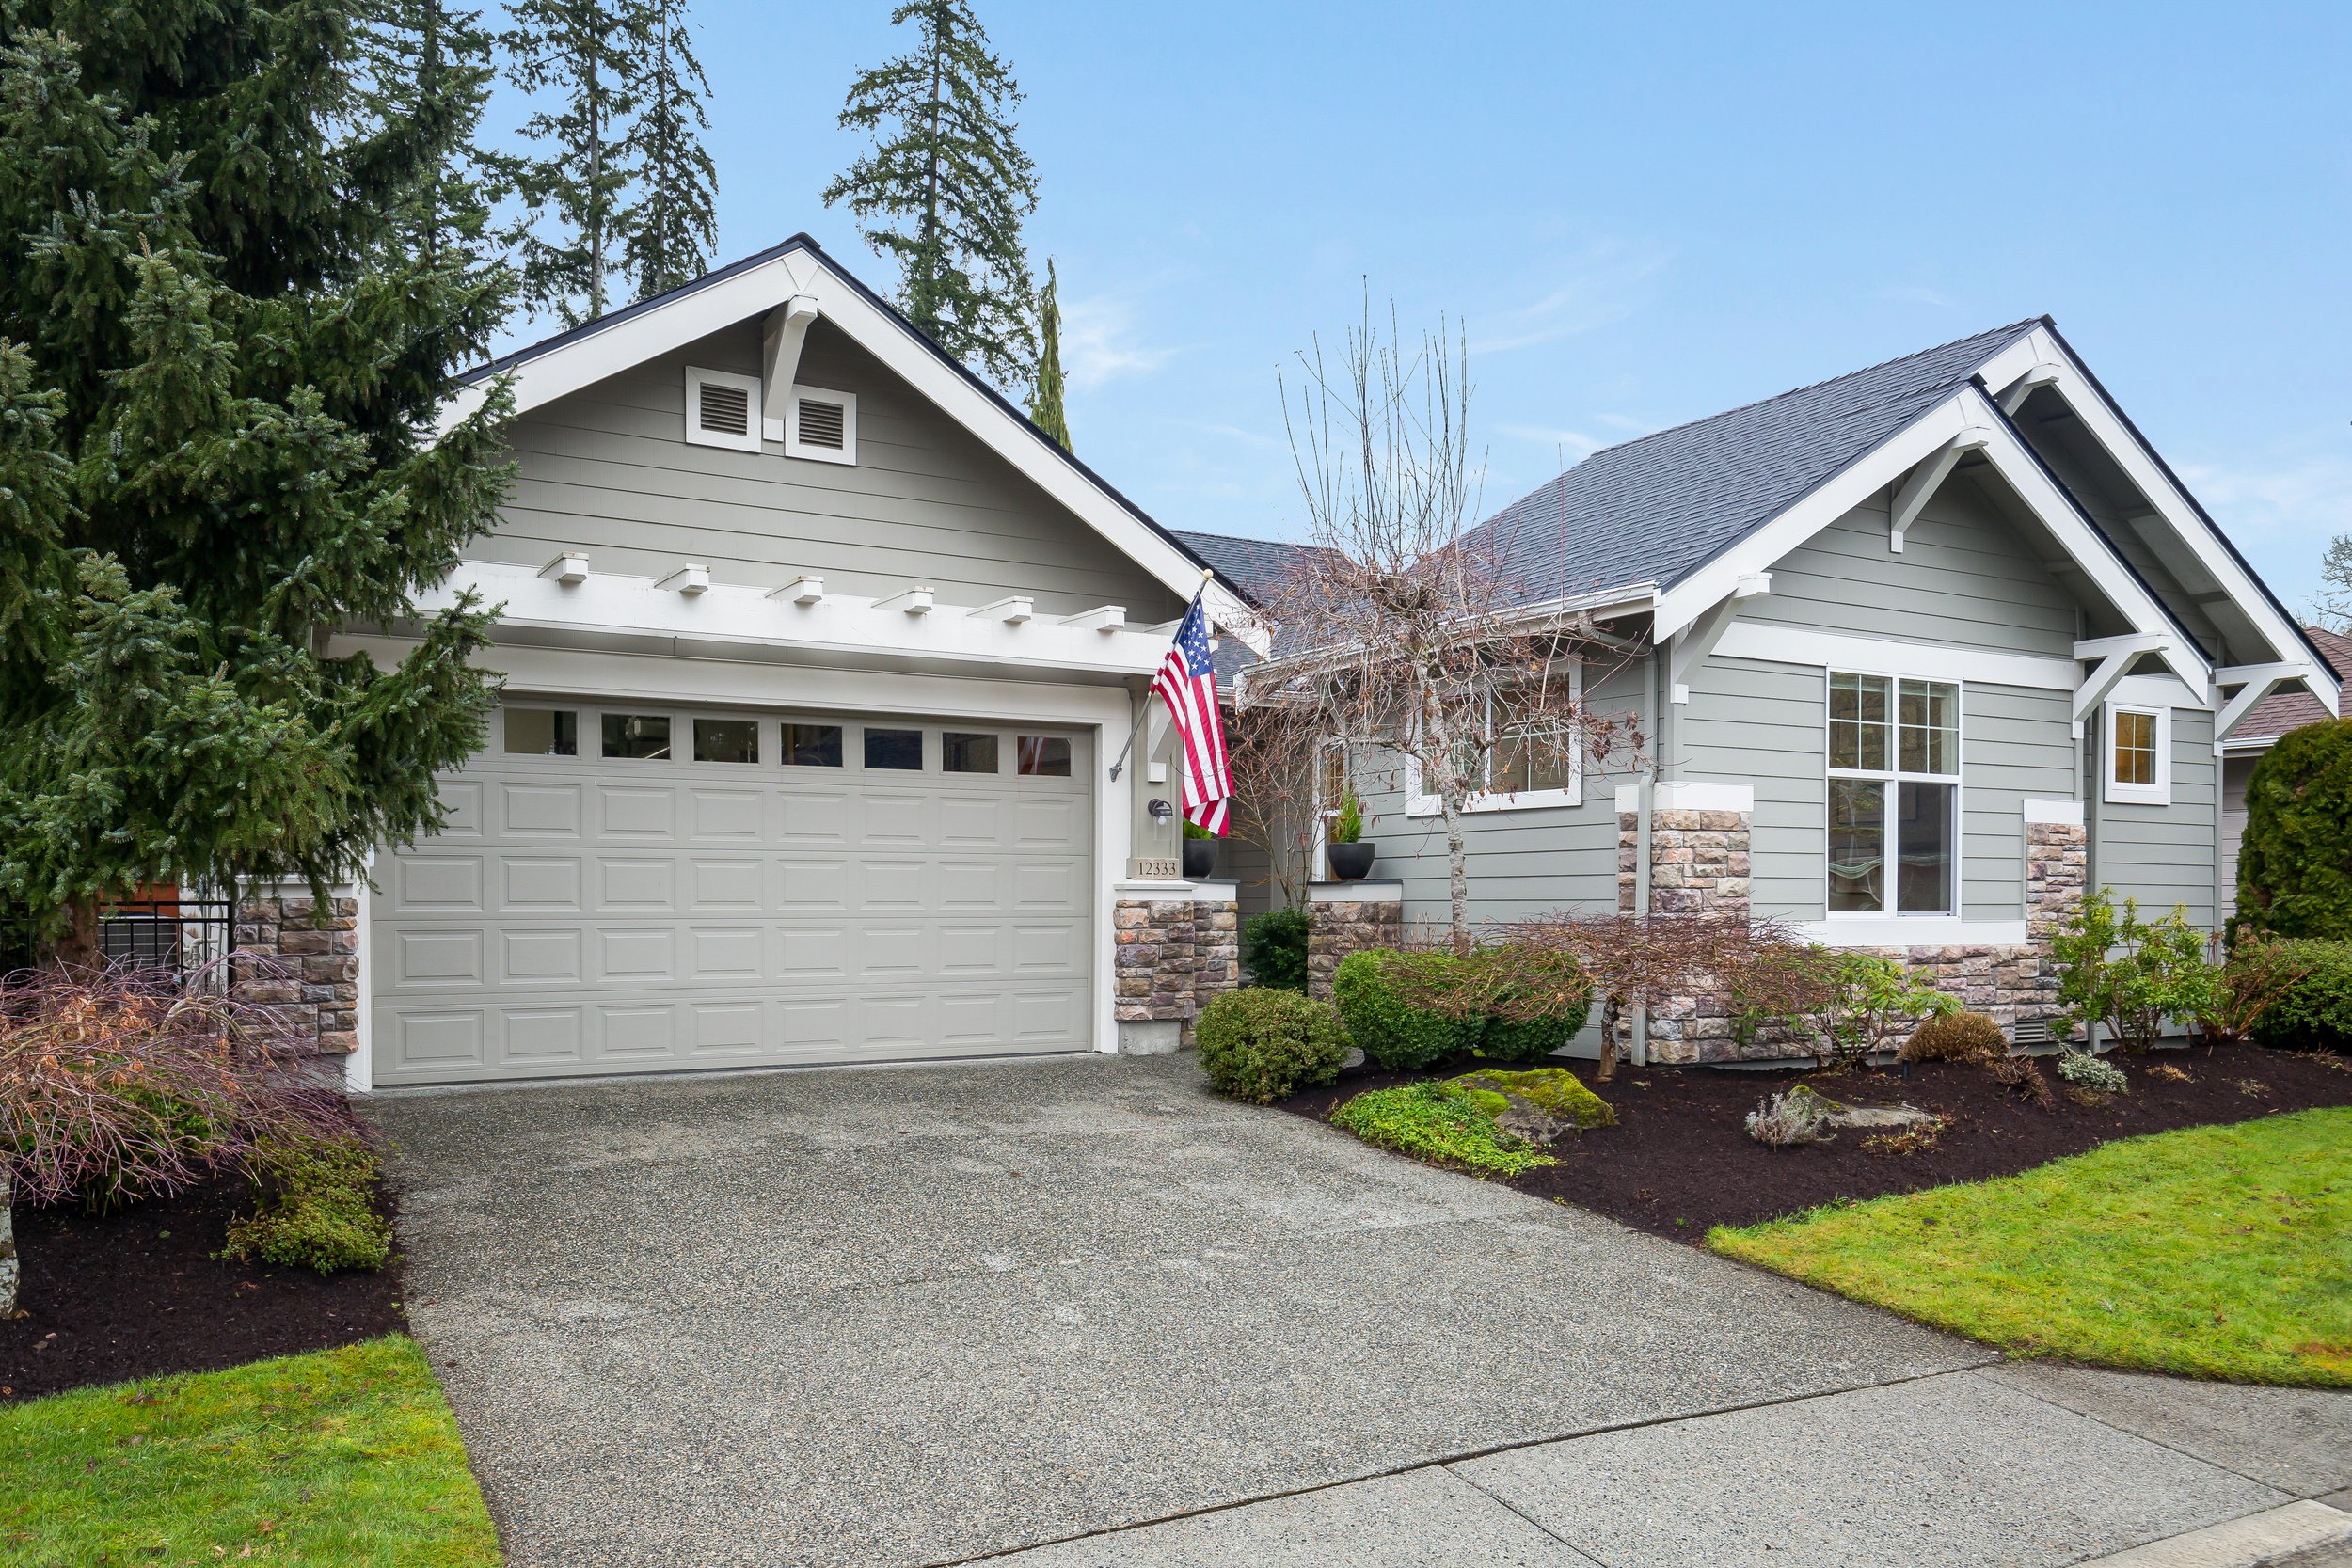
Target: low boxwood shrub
(1384, 1023)
(1441, 1124)
(2087, 1071)
(1512, 1034)
(1274, 949)
(317, 1206)
(1261, 1044)
(1960, 1037)
(2314, 1013)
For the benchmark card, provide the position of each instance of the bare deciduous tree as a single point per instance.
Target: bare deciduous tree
(1402, 633)
(1273, 751)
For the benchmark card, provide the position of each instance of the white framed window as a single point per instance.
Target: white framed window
(1892, 842)
(821, 425)
(2137, 741)
(1530, 760)
(721, 409)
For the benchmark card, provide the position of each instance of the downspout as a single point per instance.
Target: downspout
(2094, 822)
(1645, 795)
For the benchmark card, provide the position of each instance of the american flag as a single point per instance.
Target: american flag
(1188, 680)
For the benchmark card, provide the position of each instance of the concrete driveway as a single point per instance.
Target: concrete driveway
(923, 1315)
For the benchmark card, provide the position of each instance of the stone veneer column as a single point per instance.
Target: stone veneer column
(1347, 917)
(1155, 958)
(302, 964)
(1698, 861)
(1215, 943)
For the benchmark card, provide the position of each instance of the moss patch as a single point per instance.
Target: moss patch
(1441, 1124)
(1549, 1088)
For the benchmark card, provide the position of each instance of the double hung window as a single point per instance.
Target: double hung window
(1894, 795)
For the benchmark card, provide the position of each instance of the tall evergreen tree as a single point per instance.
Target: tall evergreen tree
(427, 65)
(220, 378)
(1045, 402)
(671, 224)
(583, 51)
(946, 187)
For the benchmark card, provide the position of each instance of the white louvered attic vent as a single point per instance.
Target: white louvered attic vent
(726, 410)
(721, 409)
(823, 425)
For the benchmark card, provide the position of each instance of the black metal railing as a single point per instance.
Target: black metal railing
(183, 936)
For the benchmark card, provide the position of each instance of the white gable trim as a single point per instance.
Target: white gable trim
(2040, 356)
(1968, 418)
(672, 324)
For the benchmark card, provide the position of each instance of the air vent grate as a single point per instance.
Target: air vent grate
(821, 424)
(2030, 1031)
(726, 410)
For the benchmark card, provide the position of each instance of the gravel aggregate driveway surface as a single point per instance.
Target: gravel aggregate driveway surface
(916, 1315)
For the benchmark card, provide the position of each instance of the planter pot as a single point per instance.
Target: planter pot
(1200, 858)
(1350, 862)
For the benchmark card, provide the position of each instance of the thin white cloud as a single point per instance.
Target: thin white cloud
(1605, 282)
(1099, 344)
(1575, 442)
(1912, 293)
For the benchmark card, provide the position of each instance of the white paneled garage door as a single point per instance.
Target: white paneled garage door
(648, 889)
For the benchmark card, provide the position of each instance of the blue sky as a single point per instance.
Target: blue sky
(1643, 214)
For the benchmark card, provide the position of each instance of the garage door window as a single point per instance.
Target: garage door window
(1042, 756)
(542, 733)
(727, 740)
(644, 737)
(968, 753)
(812, 745)
(902, 749)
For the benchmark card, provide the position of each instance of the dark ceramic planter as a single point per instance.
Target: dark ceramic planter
(1350, 862)
(1200, 858)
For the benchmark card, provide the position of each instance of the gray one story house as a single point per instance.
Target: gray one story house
(1917, 654)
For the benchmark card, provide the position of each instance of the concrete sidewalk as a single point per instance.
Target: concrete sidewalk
(2012, 1464)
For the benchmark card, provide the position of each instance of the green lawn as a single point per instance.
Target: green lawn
(2212, 1252)
(342, 1457)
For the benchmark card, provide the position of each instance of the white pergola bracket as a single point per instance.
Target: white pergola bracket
(688, 580)
(912, 601)
(1105, 618)
(1693, 643)
(1922, 482)
(2259, 681)
(806, 588)
(1012, 610)
(780, 342)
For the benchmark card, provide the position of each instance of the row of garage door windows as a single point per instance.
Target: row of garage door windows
(646, 737)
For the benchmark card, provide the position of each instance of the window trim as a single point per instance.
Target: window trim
(1892, 776)
(2114, 791)
(696, 378)
(1419, 804)
(845, 454)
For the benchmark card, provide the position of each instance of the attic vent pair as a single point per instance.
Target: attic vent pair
(723, 410)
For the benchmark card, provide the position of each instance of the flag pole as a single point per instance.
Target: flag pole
(1207, 577)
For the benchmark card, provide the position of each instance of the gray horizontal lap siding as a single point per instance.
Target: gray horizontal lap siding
(1521, 863)
(609, 471)
(2164, 855)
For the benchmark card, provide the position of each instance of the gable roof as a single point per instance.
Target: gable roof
(1255, 567)
(756, 283)
(1655, 508)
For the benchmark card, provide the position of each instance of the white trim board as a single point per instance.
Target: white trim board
(1688, 794)
(1912, 930)
(2064, 813)
(802, 271)
(1784, 644)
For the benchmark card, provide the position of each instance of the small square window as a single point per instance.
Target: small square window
(542, 733)
(2139, 741)
(727, 740)
(2135, 748)
(644, 737)
(1041, 757)
(960, 753)
(812, 745)
(900, 750)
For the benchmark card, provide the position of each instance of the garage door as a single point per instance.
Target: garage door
(639, 888)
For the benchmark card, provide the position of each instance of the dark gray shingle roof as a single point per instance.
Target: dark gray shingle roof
(1657, 508)
(1252, 566)
(2283, 711)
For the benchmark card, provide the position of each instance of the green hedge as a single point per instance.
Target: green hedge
(2295, 861)
(1391, 1030)
(1508, 1039)
(1261, 1044)
(2316, 1012)
(1274, 949)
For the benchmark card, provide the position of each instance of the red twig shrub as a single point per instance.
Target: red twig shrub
(121, 1082)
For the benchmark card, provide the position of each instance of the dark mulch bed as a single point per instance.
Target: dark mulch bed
(1681, 1159)
(138, 1294)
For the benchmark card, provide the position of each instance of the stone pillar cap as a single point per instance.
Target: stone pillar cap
(1366, 891)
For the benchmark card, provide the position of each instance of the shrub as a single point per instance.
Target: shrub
(120, 1084)
(2129, 974)
(1274, 949)
(317, 1206)
(2086, 1071)
(1790, 1119)
(1840, 1005)
(2025, 1078)
(1528, 1023)
(1347, 823)
(1958, 1036)
(2261, 970)
(2294, 860)
(2316, 1011)
(1375, 989)
(1259, 1044)
(1441, 1124)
